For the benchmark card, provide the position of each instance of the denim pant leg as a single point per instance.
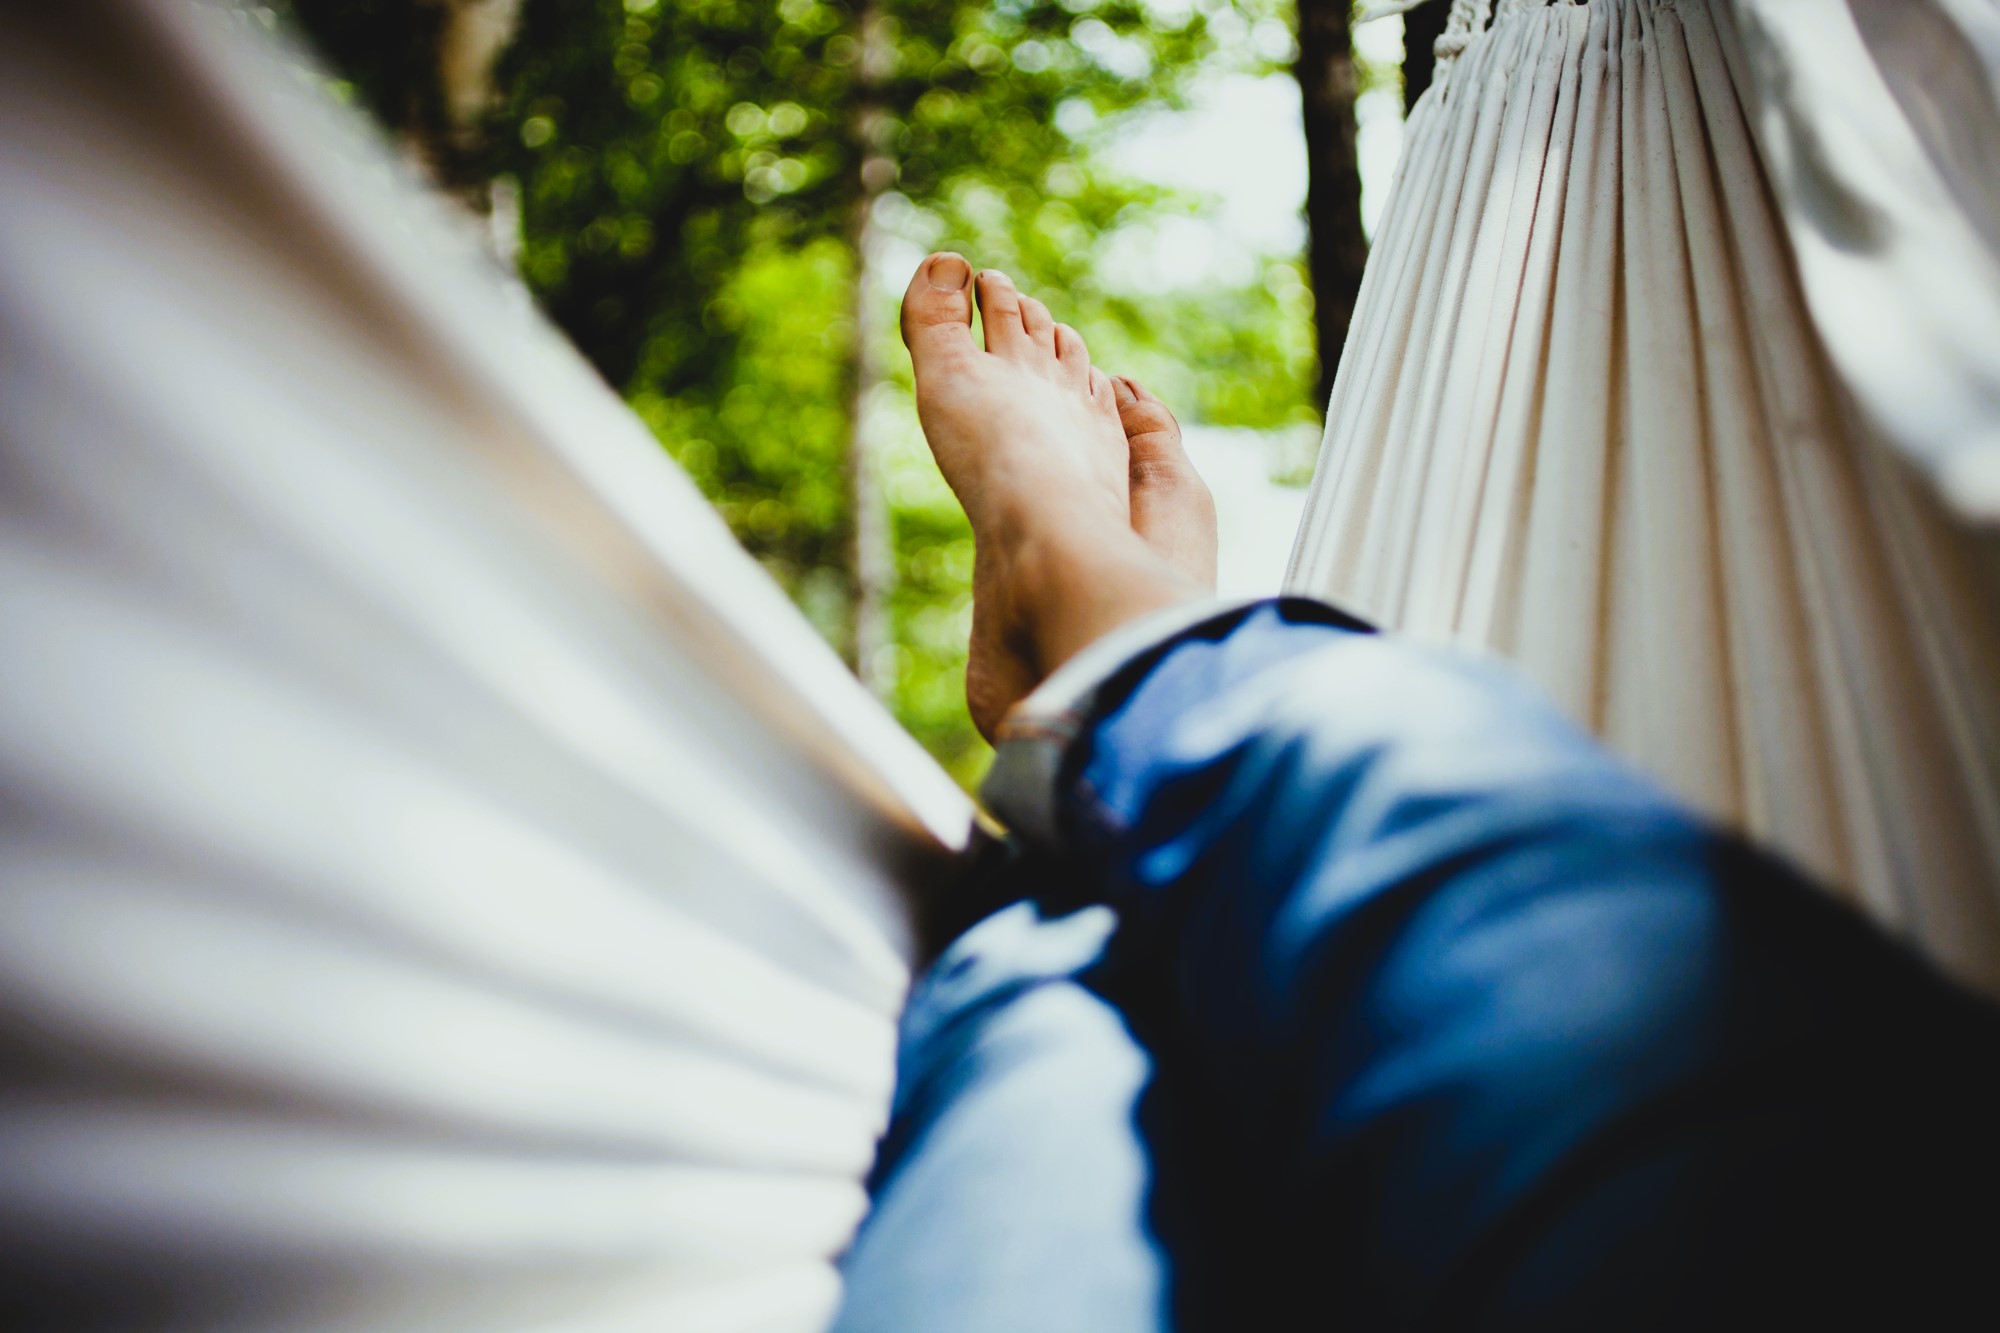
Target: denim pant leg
(1492, 1035)
(1012, 1194)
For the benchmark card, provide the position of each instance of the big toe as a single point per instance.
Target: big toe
(937, 310)
(1172, 508)
(1150, 429)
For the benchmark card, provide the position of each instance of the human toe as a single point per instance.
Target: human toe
(1000, 312)
(1073, 354)
(1040, 324)
(1103, 395)
(1151, 432)
(937, 309)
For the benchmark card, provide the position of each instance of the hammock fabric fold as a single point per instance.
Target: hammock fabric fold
(1586, 421)
(1878, 123)
(447, 885)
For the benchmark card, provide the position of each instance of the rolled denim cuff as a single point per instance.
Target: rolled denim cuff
(1023, 790)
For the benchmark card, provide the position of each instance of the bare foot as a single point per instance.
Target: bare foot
(1028, 434)
(1170, 504)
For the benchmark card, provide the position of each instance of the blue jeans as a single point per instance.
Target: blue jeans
(1364, 991)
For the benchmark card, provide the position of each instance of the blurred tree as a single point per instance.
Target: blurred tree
(713, 193)
(872, 140)
(1422, 27)
(1337, 248)
(427, 70)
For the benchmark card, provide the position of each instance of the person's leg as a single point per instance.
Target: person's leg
(1501, 1038)
(1019, 1188)
(1014, 1188)
(1492, 1034)
(1029, 435)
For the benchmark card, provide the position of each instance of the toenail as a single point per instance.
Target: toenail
(949, 273)
(995, 275)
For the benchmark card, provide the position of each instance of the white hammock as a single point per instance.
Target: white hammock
(447, 886)
(1587, 419)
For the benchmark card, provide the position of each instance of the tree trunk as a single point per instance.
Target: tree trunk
(1337, 248)
(473, 36)
(471, 40)
(1422, 27)
(872, 547)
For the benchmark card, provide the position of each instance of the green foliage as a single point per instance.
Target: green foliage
(764, 434)
(658, 146)
(691, 180)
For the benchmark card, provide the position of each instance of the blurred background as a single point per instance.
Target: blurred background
(721, 200)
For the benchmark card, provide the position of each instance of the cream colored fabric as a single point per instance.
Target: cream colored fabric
(1585, 421)
(1879, 125)
(443, 883)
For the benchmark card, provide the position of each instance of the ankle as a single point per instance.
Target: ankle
(1067, 589)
